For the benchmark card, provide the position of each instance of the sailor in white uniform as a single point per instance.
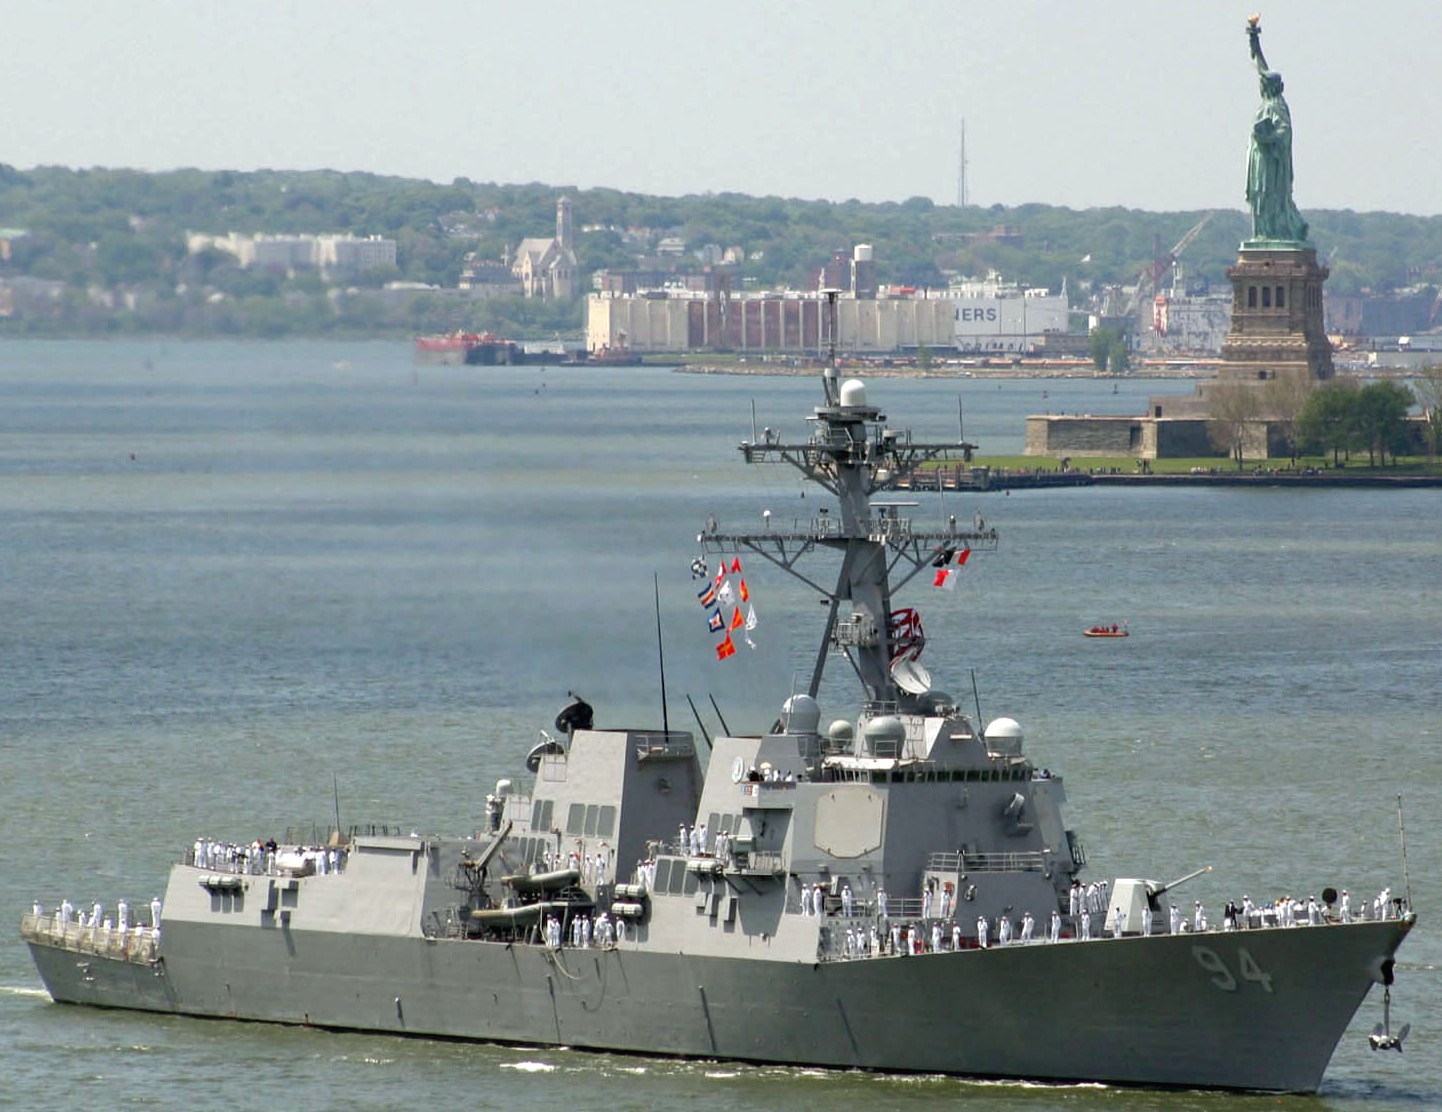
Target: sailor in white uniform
(1199, 918)
(1346, 906)
(846, 899)
(1054, 932)
(122, 916)
(881, 902)
(1119, 922)
(1028, 924)
(981, 930)
(1175, 917)
(1086, 924)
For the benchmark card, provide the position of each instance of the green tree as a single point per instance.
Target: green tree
(1328, 421)
(1382, 419)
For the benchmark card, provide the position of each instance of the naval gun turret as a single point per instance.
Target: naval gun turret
(1139, 901)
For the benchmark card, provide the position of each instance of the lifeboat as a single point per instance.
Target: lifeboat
(1112, 630)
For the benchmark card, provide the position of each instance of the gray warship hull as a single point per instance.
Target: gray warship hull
(1167, 1010)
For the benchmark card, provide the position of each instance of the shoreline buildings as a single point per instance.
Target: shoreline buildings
(986, 316)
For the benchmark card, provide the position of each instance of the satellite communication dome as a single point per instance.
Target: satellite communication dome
(841, 732)
(853, 392)
(1003, 737)
(800, 715)
(1003, 729)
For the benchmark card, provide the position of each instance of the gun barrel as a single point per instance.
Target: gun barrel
(1182, 880)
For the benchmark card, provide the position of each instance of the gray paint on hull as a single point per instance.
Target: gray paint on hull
(1105, 1010)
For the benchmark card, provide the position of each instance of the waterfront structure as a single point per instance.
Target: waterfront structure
(976, 316)
(1276, 329)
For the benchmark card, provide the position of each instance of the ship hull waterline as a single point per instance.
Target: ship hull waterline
(1269, 1009)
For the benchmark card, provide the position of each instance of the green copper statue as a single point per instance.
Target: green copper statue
(1269, 160)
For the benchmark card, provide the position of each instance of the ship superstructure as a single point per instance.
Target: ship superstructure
(896, 889)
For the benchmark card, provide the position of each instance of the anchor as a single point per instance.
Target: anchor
(1381, 1037)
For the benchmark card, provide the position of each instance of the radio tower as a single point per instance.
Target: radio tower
(961, 169)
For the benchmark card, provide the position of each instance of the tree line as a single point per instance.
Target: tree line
(1336, 418)
(112, 229)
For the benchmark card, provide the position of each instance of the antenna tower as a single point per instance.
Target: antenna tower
(961, 198)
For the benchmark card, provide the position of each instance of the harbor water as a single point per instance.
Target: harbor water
(248, 586)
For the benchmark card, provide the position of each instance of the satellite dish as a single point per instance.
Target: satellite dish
(910, 676)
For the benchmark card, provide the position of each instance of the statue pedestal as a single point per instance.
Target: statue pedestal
(1277, 327)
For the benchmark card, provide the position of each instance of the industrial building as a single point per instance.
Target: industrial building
(987, 316)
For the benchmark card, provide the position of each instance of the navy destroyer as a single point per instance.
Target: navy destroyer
(894, 889)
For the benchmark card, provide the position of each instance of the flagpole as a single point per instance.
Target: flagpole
(661, 653)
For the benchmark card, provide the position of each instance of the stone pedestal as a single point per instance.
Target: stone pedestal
(1277, 328)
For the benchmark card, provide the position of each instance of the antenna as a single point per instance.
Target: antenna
(335, 787)
(719, 715)
(1402, 840)
(961, 197)
(661, 654)
(705, 733)
(976, 698)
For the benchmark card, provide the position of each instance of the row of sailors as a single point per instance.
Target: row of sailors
(67, 913)
(265, 858)
(697, 842)
(912, 939)
(592, 868)
(1087, 897)
(915, 938)
(585, 932)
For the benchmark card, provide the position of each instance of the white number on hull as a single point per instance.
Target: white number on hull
(1223, 977)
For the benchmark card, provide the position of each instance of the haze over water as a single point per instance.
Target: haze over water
(236, 575)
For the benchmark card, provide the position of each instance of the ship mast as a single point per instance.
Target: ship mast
(853, 455)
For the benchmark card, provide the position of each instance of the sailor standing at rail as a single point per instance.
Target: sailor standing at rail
(97, 913)
(1199, 919)
(936, 938)
(1075, 898)
(1346, 907)
(37, 909)
(1175, 919)
(1028, 924)
(122, 916)
(1086, 925)
(846, 899)
(881, 902)
(1119, 922)
(955, 935)
(1054, 933)
(67, 909)
(981, 927)
(926, 902)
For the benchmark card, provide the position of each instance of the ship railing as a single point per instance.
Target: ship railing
(943, 863)
(1022, 861)
(656, 744)
(136, 943)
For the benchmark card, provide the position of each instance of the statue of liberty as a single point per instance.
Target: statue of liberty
(1269, 159)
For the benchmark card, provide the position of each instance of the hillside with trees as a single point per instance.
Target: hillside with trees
(108, 249)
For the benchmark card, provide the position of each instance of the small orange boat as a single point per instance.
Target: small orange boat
(1112, 630)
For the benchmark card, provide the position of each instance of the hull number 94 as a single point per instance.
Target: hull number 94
(1222, 975)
